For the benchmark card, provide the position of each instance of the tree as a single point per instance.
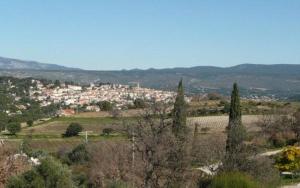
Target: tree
(139, 103)
(2, 126)
(177, 155)
(157, 153)
(296, 124)
(179, 112)
(235, 114)
(236, 134)
(29, 123)
(105, 105)
(14, 127)
(73, 130)
(3, 121)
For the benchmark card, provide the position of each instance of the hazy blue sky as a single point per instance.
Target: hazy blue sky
(125, 34)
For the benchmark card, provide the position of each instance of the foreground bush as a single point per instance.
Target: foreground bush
(233, 180)
(289, 159)
(73, 130)
(50, 174)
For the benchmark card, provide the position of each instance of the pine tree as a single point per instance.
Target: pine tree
(179, 112)
(236, 133)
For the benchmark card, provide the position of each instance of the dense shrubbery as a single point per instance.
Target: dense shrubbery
(73, 130)
(50, 174)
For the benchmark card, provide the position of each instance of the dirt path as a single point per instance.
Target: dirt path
(292, 186)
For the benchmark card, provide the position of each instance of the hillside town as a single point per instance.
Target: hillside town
(73, 96)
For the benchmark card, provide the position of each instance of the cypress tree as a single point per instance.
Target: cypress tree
(236, 133)
(235, 115)
(177, 159)
(179, 112)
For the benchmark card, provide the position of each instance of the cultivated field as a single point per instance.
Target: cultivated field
(95, 125)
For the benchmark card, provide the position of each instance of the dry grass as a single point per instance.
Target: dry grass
(219, 123)
(125, 113)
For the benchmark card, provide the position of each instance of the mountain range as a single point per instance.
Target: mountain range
(278, 79)
(12, 64)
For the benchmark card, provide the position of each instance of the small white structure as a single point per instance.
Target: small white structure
(34, 161)
(31, 160)
(210, 169)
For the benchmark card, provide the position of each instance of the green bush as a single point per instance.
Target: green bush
(14, 127)
(73, 130)
(107, 131)
(79, 154)
(233, 180)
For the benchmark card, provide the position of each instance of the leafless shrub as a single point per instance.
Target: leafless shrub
(277, 128)
(209, 149)
(110, 161)
(9, 165)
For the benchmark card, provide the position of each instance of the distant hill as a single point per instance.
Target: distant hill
(282, 80)
(13, 64)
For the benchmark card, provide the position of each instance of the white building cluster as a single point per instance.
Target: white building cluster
(74, 96)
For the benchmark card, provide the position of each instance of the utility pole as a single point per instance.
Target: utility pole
(133, 150)
(86, 137)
